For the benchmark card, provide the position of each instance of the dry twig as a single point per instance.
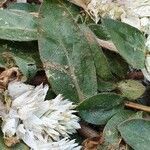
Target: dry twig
(137, 106)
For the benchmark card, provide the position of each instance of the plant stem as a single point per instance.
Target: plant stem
(137, 106)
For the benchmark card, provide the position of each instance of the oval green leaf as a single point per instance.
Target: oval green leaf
(129, 41)
(24, 6)
(111, 133)
(136, 133)
(100, 108)
(21, 54)
(17, 25)
(103, 69)
(131, 89)
(105, 86)
(65, 52)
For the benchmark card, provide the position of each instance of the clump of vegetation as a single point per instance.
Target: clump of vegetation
(91, 57)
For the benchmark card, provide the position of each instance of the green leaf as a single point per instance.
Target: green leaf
(17, 26)
(129, 41)
(22, 54)
(118, 65)
(100, 108)
(65, 52)
(136, 133)
(26, 65)
(105, 86)
(101, 63)
(111, 133)
(24, 6)
(131, 89)
(99, 31)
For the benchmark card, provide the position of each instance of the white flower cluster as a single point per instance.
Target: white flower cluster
(104, 8)
(133, 12)
(42, 125)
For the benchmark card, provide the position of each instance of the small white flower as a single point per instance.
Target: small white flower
(104, 8)
(132, 20)
(145, 24)
(64, 144)
(43, 143)
(16, 89)
(10, 126)
(36, 120)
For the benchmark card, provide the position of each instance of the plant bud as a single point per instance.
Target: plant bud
(131, 89)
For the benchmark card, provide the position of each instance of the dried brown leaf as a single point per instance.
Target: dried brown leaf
(92, 143)
(87, 131)
(11, 141)
(81, 3)
(8, 75)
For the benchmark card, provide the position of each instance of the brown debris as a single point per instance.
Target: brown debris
(92, 143)
(35, 1)
(87, 132)
(94, 138)
(8, 75)
(136, 75)
(39, 78)
(11, 141)
(5, 3)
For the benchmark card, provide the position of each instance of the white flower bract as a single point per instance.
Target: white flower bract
(41, 124)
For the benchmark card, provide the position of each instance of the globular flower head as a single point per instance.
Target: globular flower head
(38, 121)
